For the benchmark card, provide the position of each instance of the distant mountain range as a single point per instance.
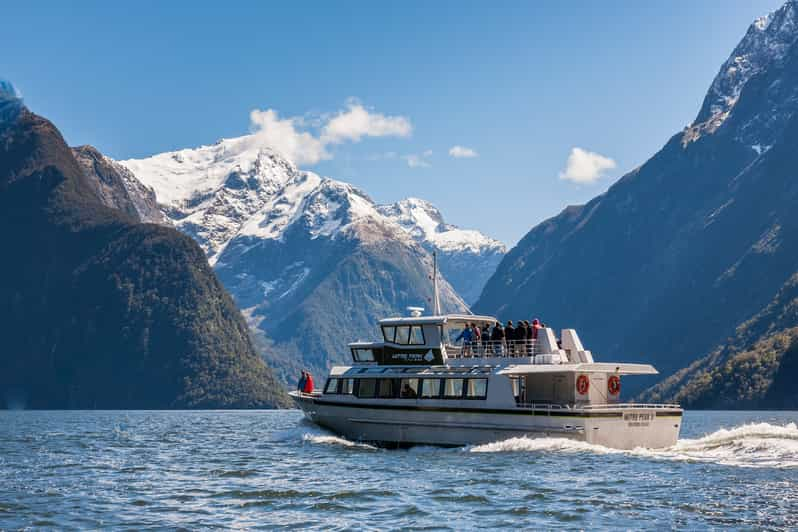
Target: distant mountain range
(690, 260)
(312, 261)
(99, 310)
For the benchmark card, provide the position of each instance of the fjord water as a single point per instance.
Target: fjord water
(272, 469)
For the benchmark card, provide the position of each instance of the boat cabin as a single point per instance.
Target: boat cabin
(430, 357)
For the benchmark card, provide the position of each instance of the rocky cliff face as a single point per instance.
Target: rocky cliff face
(314, 262)
(667, 263)
(98, 310)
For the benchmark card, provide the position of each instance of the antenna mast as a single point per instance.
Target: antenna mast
(436, 300)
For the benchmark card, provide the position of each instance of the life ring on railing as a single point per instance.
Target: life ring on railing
(582, 384)
(614, 385)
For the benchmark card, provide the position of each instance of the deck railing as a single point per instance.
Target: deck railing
(606, 406)
(493, 348)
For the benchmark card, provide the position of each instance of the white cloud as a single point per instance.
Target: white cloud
(356, 122)
(460, 152)
(282, 135)
(290, 137)
(585, 167)
(418, 160)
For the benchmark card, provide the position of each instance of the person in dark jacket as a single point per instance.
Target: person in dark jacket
(509, 336)
(497, 338)
(485, 338)
(530, 340)
(300, 386)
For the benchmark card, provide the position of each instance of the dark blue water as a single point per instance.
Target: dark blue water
(270, 469)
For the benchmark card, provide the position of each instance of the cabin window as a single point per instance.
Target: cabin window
(388, 333)
(453, 388)
(416, 335)
(363, 355)
(367, 388)
(347, 386)
(476, 388)
(430, 388)
(403, 334)
(332, 386)
(385, 388)
(408, 388)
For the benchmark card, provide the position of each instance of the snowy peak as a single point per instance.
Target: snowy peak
(316, 206)
(766, 44)
(182, 178)
(425, 223)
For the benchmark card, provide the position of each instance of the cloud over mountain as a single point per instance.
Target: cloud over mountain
(290, 136)
(585, 167)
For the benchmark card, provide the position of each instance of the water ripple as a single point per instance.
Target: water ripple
(197, 470)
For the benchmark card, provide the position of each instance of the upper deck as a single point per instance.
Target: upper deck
(442, 340)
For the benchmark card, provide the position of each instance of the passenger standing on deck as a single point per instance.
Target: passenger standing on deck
(308, 383)
(536, 326)
(300, 386)
(466, 336)
(477, 337)
(485, 335)
(497, 338)
(509, 336)
(520, 338)
(524, 337)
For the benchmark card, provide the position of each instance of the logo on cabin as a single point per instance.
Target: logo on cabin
(429, 357)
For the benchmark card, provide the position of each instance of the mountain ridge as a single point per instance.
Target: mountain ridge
(671, 256)
(96, 308)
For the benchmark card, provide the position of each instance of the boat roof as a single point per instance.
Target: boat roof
(620, 368)
(436, 320)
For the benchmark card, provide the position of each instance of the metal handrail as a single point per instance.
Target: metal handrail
(631, 405)
(493, 348)
(606, 406)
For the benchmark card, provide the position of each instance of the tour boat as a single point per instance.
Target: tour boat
(419, 386)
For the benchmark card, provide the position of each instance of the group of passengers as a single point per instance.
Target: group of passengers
(305, 384)
(500, 340)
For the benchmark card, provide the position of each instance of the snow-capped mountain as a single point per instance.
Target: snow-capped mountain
(467, 257)
(314, 262)
(764, 48)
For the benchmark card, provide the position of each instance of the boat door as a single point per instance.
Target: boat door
(559, 388)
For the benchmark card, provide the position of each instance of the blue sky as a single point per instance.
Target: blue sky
(519, 83)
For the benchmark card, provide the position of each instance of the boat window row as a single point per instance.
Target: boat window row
(403, 334)
(411, 388)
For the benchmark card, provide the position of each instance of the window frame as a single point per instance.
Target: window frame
(360, 391)
(462, 388)
(397, 338)
(475, 397)
(342, 388)
(356, 354)
(385, 336)
(420, 329)
(402, 382)
(423, 381)
(392, 390)
(331, 380)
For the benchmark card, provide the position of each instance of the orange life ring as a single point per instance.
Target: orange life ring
(614, 385)
(582, 384)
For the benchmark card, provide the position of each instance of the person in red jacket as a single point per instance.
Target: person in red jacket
(308, 383)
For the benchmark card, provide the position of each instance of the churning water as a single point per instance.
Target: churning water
(271, 469)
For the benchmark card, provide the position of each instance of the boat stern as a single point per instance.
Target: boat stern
(632, 426)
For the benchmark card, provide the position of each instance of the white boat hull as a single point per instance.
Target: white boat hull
(388, 423)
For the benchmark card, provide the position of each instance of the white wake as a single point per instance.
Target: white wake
(326, 439)
(749, 445)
